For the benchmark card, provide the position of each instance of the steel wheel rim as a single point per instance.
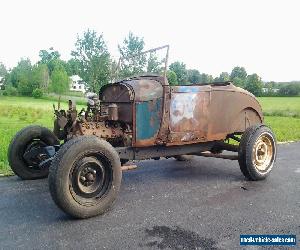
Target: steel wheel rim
(91, 176)
(263, 152)
(90, 179)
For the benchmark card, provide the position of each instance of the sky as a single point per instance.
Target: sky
(212, 36)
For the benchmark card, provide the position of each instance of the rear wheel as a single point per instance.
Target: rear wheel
(85, 177)
(257, 152)
(25, 152)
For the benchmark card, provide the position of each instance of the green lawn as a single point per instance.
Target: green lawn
(282, 114)
(285, 128)
(19, 112)
(281, 106)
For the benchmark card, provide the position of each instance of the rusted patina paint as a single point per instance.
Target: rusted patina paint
(146, 89)
(232, 110)
(210, 112)
(188, 89)
(188, 115)
(148, 119)
(117, 92)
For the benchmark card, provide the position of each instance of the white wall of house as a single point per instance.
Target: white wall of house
(77, 84)
(272, 90)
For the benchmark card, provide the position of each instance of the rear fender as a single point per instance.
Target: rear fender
(245, 118)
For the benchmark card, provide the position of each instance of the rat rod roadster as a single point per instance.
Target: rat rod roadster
(135, 119)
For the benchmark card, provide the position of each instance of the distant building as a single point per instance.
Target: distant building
(270, 90)
(77, 84)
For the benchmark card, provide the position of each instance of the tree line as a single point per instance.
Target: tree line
(239, 76)
(91, 60)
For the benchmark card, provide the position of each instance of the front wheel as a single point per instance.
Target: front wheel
(85, 177)
(25, 152)
(257, 152)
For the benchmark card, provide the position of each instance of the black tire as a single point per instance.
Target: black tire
(183, 157)
(25, 139)
(69, 183)
(257, 152)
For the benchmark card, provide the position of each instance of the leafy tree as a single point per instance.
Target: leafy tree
(10, 90)
(56, 63)
(72, 67)
(239, 82)
(172, 77)
(180, 69)
(37, 93)
(254, 84)
(238, 76)
(48, 55)
(132, 61)
(3, 70)
(223, 77)
(14, 75)
(60, 81)
(40, 76)
(238, 72)
(290, 90)
(51, 58)
(270, 84)
(20, 77)
(114, 70)
(205, 78)
(154, 65)
(193, 76)
(93, 59)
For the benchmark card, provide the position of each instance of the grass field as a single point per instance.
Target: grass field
(282, 114)
(17, 113)
(281, 106)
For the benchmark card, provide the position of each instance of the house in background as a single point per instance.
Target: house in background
(270, 90)
(77, 84)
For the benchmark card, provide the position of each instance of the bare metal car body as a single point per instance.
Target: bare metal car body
(141, 118)
(155, 113)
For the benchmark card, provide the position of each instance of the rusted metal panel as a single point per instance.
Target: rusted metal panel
(143, 88)
(232, 110)
(163, 133)
(154, 113)
(145, 109)
(117, 92)
(189, 110)
(142, 153)
(187, 89)
(148, 119)
(210, 112)
(146, 89)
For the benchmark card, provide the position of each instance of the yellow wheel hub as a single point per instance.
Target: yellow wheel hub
(263, 151)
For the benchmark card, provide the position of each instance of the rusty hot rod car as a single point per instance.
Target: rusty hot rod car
(135, 119)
